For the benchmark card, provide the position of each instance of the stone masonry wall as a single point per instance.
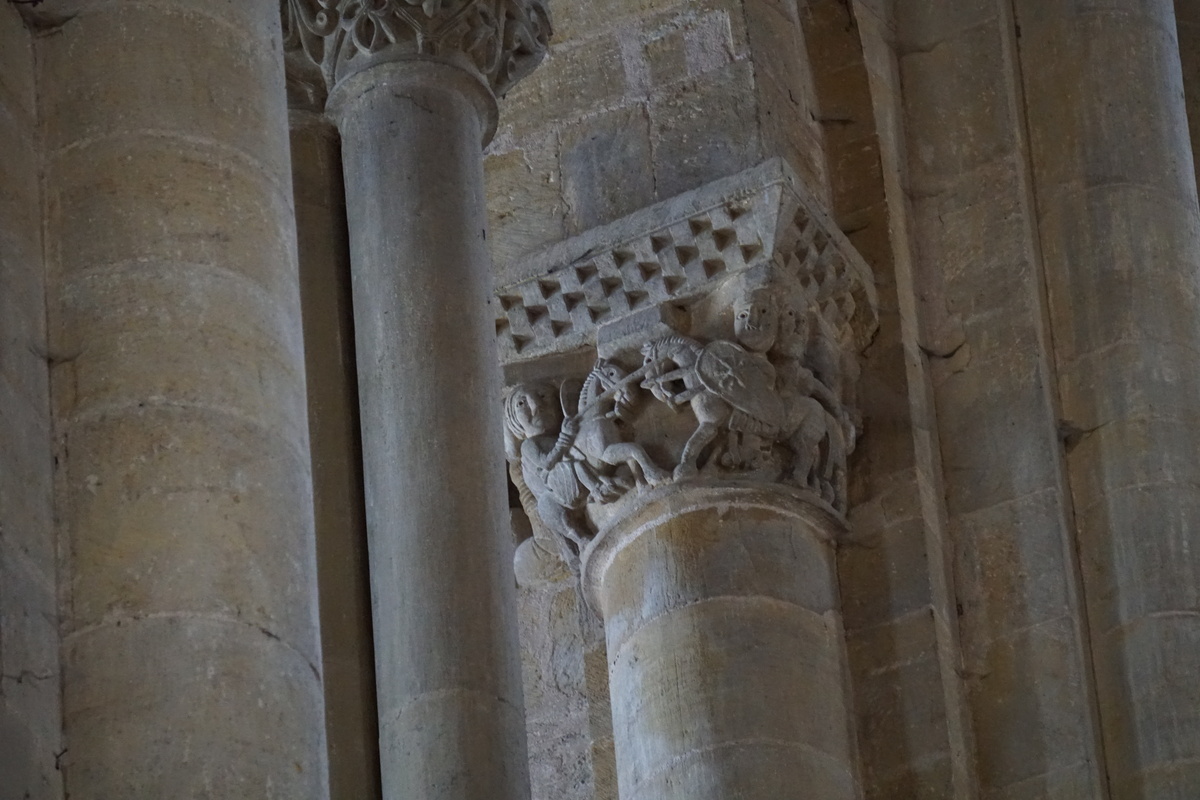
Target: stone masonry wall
(30, 698)
(640, 100)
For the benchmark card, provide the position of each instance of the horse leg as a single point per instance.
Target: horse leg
(566, 531)
(631, 454)
(701, 438)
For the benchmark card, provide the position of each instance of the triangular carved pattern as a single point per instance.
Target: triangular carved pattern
(562, 309)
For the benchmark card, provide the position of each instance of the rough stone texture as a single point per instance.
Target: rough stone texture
(894, 568)
(347, 649)
(30, 678)
(725, 647)
(567, 714)
(641, 100)
(191, 662)
(980, 327)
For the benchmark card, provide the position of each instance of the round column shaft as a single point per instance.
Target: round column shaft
(190, 646)
(726, 657)
(1120, 229)
(449, 692)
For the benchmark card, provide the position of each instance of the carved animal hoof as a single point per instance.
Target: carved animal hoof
(658, 477)
(685, 471)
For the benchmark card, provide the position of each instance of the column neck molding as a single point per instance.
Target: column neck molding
(421, 74)
(638, 514)
(499, 41)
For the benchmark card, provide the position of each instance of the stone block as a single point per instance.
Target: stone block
(147, 333)
(526, 207)
(1126, 273)
(27, 762)
(899, 700)
(726, 671)
(1117, 128)
(190, 511)
(578, 21)
(884, 575)
(607, 167)
(787, 129)
(704, 129)
(988, 456)
(23, 352)
(973, 235)
(108, 83)
(924, 26)
(1155, 454)
(954, 100)
(1012, 568)
(1026, 725)
(1148, 666)
(130, 200)
(666, 56)
(25, 481)
(217, 711)
(574, 80)
(1138, 550)
(704, 553)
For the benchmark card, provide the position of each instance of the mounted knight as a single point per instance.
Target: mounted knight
(725, 385)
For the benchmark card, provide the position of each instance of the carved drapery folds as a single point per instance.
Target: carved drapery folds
(728, 324)
(502, 40)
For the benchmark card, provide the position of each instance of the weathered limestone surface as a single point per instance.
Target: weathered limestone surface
(1114, 180)
(641, 100)
(725, 647)
(342, 575)
(567, 711)
(894, 566)
(980, 325)
(714, 507)
(189, 618)
(30, 679)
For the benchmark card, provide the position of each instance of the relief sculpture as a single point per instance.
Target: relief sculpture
(730, 329)
(769, 403)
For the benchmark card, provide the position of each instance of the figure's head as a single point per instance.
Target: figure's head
(532, 409)
(756, 320)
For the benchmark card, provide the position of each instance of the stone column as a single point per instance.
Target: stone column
(725, 647)
(413, 97)
(740, 309)
(343, 579)
(191, 666)
(1120, 234)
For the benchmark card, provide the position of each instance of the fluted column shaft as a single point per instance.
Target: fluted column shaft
(190, 644)
(450, 710)
(1120, 233)
(726, 653)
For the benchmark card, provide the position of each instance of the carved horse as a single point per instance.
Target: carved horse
(598, 442)
(725, 385)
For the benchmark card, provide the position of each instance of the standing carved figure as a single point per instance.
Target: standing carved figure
(725, 385)
(538, 443)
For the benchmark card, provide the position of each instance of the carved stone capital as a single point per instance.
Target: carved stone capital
(712, 337)
(500, 41)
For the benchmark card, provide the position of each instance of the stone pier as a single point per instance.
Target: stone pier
(1119, 227)
(191, 665)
